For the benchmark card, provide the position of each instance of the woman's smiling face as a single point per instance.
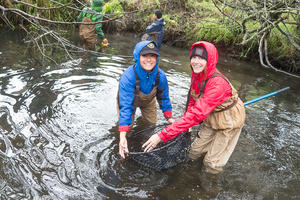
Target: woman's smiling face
(198, 64)
(148, 61)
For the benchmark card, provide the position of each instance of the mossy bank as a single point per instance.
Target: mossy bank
(188, 21)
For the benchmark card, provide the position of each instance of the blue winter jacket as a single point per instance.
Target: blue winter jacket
(147, 83)
(157, 26)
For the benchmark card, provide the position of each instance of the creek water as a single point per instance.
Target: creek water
(59, 139)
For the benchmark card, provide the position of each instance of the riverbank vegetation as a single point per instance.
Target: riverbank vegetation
(266, 31)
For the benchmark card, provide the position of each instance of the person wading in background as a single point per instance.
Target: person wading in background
(92, 34)
(155, 31)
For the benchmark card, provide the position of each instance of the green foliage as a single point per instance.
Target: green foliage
(205, 24)
(216, 33)
(157, 2)
(113, 7)
(279, 44)
(188, 20)
(298, 31)
(194, 4)
(62, 14)
(33, 28)
(171, 21)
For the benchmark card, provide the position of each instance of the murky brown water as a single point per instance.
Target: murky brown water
(58, 131)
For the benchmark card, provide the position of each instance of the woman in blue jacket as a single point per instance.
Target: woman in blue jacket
(141, 85)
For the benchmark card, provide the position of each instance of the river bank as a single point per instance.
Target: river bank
(58, 134)
(190, 21)
(186, 22)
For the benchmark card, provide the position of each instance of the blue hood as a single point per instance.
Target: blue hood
(136, 56)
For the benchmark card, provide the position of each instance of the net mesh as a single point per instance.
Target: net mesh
(165, 155)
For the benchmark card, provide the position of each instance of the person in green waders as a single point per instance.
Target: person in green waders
(92, 34)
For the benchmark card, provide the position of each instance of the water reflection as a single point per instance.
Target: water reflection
(58, 133)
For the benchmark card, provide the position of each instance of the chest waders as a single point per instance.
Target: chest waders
(221, 129)
(146, 102)
(87, 33)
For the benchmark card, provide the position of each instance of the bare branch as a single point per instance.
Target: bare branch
(259, 18)
(37, 38)
(263, 28)
(289, 37)
(40, 8)
(77, 9)
(3, 16)
(269, 63)
(260, 50)
(41, 51)
(221, 11)
(20, 12)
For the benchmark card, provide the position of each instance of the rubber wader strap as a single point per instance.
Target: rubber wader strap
(137, 89)
(202, 87)
(137, 86)
(228, 107)
(188, 100)
(157, 78)
(89, 11)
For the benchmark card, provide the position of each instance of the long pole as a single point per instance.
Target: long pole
(265, 96)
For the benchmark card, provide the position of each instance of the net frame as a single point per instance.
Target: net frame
(167, 155)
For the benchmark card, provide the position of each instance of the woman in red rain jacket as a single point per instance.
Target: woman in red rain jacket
(213, 101)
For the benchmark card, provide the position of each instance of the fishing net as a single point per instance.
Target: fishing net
(165, 155)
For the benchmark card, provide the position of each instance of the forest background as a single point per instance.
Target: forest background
(265, 31)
